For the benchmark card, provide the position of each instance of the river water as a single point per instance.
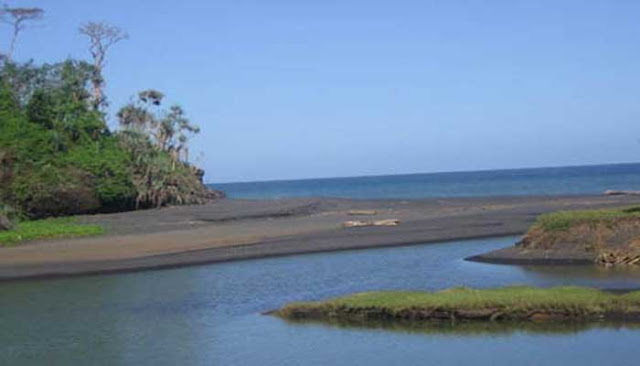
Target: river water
(211, 315)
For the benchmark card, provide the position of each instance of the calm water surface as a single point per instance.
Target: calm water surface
(210, 315)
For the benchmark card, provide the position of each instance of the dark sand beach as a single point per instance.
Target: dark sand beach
(228, 230)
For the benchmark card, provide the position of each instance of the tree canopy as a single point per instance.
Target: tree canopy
(57, 154)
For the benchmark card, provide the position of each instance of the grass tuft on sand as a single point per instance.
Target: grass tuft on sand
(46, 229)
(563, 220)
(507, 302)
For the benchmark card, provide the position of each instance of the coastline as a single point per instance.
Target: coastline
(230, 230)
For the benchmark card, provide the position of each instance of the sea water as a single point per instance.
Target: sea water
(517, 182)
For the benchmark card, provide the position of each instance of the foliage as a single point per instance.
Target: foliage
(563, 220)
(578, 301)
(168, 130)
(156, 140)
(47, 228)
(57, 156)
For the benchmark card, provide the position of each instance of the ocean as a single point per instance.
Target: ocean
(593, 179)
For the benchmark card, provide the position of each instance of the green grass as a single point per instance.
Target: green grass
(562, 220)
(506, 300)
(46, 229)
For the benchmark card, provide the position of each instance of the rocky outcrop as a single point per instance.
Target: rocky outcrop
(5, 223)
(74, 195)
(621, 193)
(606, 242)
(214, 194)
(620, 234)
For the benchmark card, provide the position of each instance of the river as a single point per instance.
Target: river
(211, 315)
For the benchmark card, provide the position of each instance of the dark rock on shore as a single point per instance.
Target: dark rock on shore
(621, 193)
(5, 223)
(214, 194)
(418, 314)
(517, 255)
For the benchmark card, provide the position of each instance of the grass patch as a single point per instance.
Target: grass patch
(464, 303)
(46, 229)
(563, 220)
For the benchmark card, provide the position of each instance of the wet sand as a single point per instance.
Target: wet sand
(241, 229)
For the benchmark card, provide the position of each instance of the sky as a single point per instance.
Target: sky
(287, 89)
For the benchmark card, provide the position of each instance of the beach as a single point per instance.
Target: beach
(234, 229)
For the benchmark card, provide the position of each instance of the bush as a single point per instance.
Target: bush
(48, 228)
(50, 190)
(110, 169)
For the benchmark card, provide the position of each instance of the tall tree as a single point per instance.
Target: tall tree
(168, 130)
(157, 139)
(101, 37)
(18, 18)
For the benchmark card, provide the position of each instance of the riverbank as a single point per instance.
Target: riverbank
(241, 229)
(608, 237)
(464, 304)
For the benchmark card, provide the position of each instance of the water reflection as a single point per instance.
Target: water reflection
(466, 329)
(587, 275)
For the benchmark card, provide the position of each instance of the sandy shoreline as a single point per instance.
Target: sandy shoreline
(242, 229)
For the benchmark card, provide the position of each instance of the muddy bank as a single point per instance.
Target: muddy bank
(242, 229)
(606, 241)
(434, 315)
(505, 304)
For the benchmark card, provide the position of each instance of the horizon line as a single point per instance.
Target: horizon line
(419, 173)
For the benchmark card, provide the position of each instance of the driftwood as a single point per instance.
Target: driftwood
(618, 258)
(358, 223)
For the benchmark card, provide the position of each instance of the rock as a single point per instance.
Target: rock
(5, 223)
(621, 193)
(359, 223)
(214, 194)
(362, 212)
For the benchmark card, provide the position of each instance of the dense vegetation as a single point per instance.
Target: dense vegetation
(57, 155)
(508, 303)
(562, 220)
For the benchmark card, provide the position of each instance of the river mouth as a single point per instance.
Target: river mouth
(212, 314)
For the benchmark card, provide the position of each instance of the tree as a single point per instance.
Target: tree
(18, 18)
(101, 37)
(168, 130)
(157, 141)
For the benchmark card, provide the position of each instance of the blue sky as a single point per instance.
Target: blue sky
(296, 89)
